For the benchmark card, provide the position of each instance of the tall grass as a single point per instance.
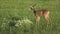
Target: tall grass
(17, 18)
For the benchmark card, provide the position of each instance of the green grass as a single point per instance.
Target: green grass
(13, 10)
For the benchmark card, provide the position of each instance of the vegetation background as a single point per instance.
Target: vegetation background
(16, 17)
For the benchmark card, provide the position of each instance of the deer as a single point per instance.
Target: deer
(38, 13)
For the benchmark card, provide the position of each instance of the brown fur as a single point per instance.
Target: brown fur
(39, 13)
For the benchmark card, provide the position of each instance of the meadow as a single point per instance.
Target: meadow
(16, 17)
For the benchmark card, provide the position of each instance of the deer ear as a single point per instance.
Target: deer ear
(34, 5)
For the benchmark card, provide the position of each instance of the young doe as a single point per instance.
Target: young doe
(39, 13)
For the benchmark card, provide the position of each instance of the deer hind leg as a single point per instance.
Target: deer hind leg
(37, 19)
(47, 18)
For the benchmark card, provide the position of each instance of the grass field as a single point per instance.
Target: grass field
(13, 12)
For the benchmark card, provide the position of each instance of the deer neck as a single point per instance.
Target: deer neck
(34, 11)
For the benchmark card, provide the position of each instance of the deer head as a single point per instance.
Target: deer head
(33, 7)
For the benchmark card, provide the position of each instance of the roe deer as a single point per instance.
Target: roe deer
(39, 13)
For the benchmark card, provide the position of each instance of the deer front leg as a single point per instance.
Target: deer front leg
(37, 20)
